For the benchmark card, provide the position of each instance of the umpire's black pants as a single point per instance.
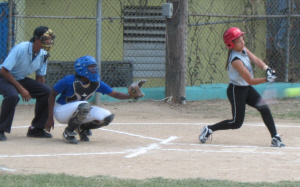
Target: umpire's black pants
(239, 96)
(37, 91)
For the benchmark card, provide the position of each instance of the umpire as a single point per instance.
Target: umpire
(23, 60)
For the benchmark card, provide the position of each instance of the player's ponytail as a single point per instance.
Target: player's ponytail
(228, 55)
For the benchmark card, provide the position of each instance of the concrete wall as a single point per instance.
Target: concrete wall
(195, 93)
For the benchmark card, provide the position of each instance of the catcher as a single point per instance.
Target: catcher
(72, 107)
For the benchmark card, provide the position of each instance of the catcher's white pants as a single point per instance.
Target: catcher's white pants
(63, 113)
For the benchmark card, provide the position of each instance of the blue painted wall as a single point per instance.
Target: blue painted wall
(195, 93)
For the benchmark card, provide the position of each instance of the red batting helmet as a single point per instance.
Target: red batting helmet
(231, 34)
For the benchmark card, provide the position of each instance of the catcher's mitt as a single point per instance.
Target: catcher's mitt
(134, 89)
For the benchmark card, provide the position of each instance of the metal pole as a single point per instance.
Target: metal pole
(286, 72)
(9, 35)
(98, 43)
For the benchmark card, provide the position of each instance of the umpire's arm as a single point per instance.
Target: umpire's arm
(40, 79)
(51, 102)
(9, 78)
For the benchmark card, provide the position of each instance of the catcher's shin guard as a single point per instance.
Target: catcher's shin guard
(84, 133)
(84, 129)
(94, 125)
(108, 120)
(79, 115)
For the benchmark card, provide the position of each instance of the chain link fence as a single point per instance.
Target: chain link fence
(133, 35)
(272, 34)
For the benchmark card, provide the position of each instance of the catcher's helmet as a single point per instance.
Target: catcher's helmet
(86, 66)
(231, 34)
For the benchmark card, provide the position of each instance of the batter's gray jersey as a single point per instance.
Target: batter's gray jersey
(234, 76)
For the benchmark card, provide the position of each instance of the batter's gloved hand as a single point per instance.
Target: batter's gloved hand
(270, 75)
(134, 89)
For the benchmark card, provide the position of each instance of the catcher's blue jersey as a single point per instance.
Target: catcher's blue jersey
(65, 88)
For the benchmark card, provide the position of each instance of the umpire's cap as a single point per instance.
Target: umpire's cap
(38, 32)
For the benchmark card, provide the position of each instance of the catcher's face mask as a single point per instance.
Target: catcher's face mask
(86, 66)
(47, 40)
(92, 68)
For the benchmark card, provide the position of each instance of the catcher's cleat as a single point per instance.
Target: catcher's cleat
(38, 133)
(205, 133)
(276, 142)
(69, 139)
(84, 133)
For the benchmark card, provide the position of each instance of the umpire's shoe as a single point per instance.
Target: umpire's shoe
(38, 133)
(69, 137)
(2, 136)
(84, 133)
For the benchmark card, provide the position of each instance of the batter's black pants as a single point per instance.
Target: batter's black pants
(239, 96)
(37, 91)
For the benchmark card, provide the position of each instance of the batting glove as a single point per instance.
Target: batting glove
(270, 75)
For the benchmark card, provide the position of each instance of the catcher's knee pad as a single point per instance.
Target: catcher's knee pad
(82, 111)
(80, 114)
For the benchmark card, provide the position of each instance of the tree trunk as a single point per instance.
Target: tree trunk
(176, 44)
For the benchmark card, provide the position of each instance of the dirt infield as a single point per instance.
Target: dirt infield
(156, 139)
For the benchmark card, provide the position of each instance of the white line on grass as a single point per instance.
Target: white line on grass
(143, 150)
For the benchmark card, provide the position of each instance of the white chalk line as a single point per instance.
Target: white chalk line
(6, 169)
(130, 134)
(64, 154)
(22, 127)
(233, 146)
(245, 124)
(224, 151)
(143, 150)
(152, 145)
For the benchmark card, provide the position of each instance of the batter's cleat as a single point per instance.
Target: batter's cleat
(2, 136)
(205, 133)
(84, 133)
(38, 133)
(276, 142)
(69, 139)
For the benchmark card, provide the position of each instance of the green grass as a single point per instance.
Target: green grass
(62, 180)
